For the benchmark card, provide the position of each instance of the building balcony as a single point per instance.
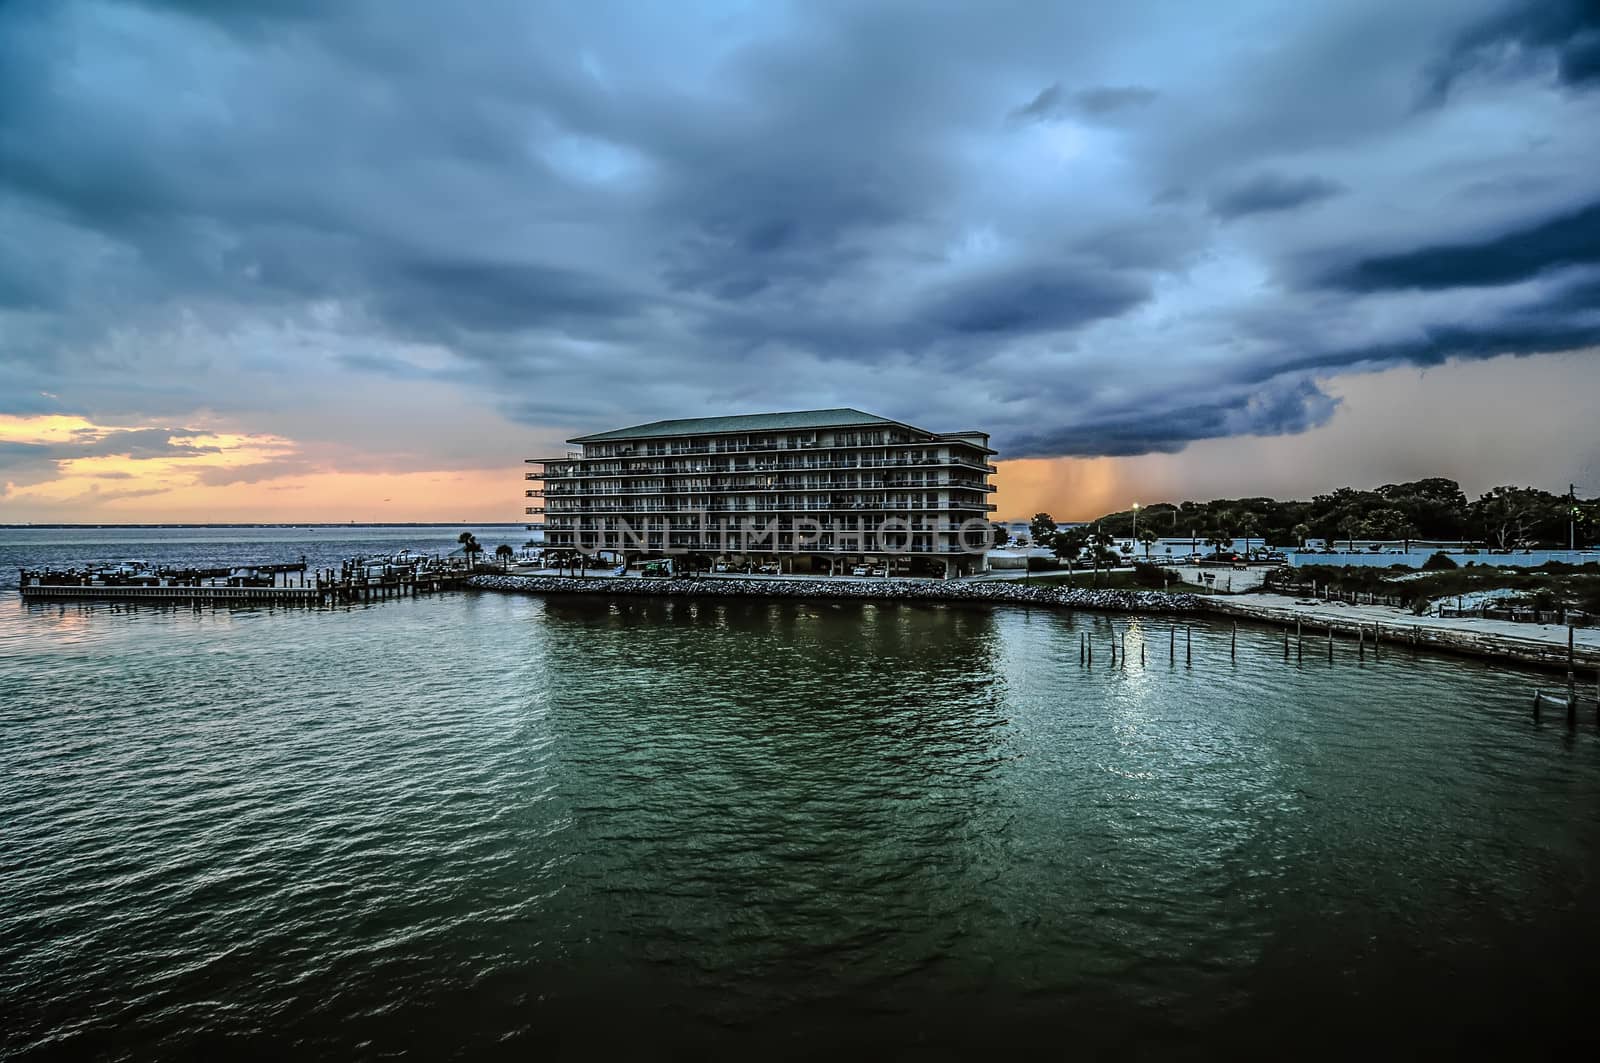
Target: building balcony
(649, 450)
(658, 544)
(729, 469)
(878, 506)
(786, 486)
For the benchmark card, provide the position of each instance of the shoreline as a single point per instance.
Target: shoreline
(897, 590)
(1543, 646)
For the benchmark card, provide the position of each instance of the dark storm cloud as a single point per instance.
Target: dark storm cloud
(1267, 192)
(1276, 407)
(1517, 39)
(1036, 298)
(492, 297)
(589, 214)
(1568, 239)
(1054, 102)
(1560, 319)
(1109, 100)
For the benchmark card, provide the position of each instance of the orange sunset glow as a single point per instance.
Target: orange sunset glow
(218, 475)
(1447, 420)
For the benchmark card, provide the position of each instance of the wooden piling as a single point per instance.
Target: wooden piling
(1536, 698)
(1233, 644)
(1124, 647)
(1172, 645)
(1286, 644)
(1188, 646)
(1361, 642)
(1300, 640)
(1330, 643)
(1375, 637)
(1082, 639)
(1572, 681)
(1141, 653)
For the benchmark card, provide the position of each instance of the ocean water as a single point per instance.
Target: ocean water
(480, 824)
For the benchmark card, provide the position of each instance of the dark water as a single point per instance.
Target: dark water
(481, 824)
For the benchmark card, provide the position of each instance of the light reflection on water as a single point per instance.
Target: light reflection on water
(479, 821)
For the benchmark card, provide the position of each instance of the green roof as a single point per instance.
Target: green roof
(752, 422)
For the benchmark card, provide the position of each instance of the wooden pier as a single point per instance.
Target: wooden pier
(355, 580)
(198, 594)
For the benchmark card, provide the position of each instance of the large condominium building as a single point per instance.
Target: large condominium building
(815, 490)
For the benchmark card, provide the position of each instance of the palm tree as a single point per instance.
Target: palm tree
(1068, 545)
(1226, 521)
(1301, 532)
(1099, 543)
(1148, 538)
(503, 553)
(470, 547)
(1249, 524)
(1350, 525)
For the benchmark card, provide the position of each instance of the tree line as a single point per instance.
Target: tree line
(1434, 508)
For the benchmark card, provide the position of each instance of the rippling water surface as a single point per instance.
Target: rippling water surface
(482, 823)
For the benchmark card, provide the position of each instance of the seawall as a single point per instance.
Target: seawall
(903, 590)
(1540, 648)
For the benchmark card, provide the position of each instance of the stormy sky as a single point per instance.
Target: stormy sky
(276, 255)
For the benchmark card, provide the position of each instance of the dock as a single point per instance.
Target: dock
(356, 579)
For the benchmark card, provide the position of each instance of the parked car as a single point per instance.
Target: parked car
(860, 570)
(880, 572)
(770, 568)
(722, 566)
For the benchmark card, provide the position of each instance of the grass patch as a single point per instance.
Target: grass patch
(1122, 580)
(1550, 586)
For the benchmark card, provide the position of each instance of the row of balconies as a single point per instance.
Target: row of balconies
(791, 506)
(555, 468)
(613, 450)
(717, 546)
(565, 491)
(881, 506)
(916, 527)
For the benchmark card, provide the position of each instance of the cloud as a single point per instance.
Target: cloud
(1268, 192)
(1053, 102)
(1522, 38)
(1035, 298)
(296, 216)
(135, 444)
(254, 472)
(1571, 238)
(1279, 406)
